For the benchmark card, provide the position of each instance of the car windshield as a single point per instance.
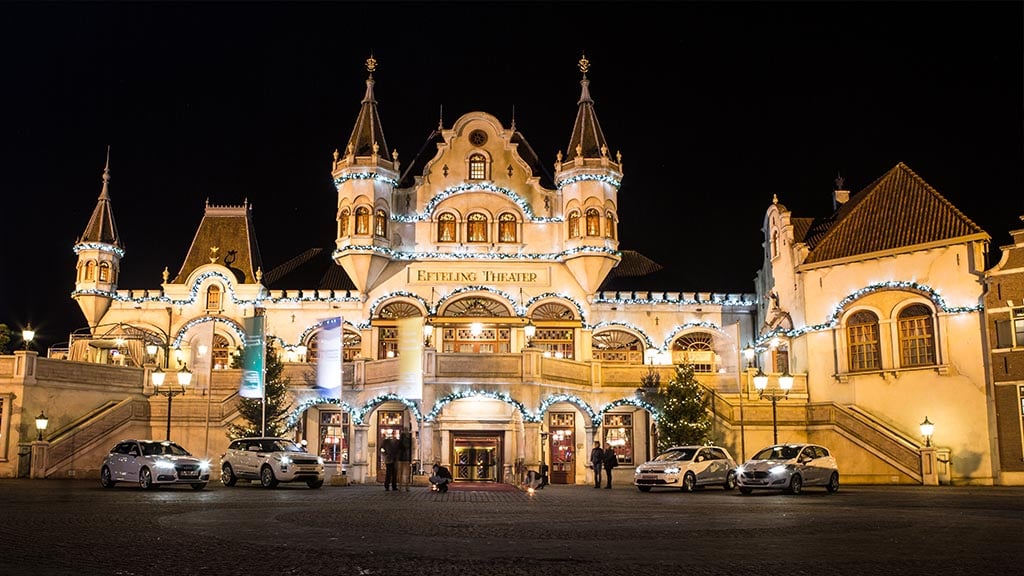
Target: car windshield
(163, 449)
(286, 446)
(777, 453)
(681, 454)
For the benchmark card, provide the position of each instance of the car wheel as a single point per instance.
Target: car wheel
(315, 483)
(198, 485)
(267, 477)
(644, 488)
(227, 476)
(105, 480)
(730, 481)
(796, 484)
(833, 483)
(146, 479)
(746, 490)
(689, 482)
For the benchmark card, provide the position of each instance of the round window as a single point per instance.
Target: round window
(478, 137)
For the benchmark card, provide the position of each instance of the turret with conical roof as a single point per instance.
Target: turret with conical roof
(99, 253)
(589, 180)
(365, 178)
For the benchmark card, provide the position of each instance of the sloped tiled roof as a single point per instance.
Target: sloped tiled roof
(897, 210)
(101, 226)
(368, 132)
(586, 132)
(633, 266)
(225, 236)
(312, 269)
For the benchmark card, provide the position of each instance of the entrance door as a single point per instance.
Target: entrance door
(390, 424)
(476, 457)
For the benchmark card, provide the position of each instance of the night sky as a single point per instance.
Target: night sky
(715, 107)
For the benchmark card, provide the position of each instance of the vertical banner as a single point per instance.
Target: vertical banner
(328, 358)
(410, 354)
(252, 362)
(202, 356)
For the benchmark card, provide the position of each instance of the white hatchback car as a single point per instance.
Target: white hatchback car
(270, 460)
(789, 467)
(153, 463)
(687, 468)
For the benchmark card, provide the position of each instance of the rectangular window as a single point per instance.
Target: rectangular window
(334, 436)
(1018, 327)
(388, 342)
(5, 423)
(618, 431)
(555, 342)
(916, 341)
(864, 347)
(1004, 336)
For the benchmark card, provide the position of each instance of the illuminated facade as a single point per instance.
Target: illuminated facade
(486, 315)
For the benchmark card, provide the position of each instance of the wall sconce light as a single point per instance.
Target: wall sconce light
(927, 429)
(428, 332)
(530, 330)
(27, 335)
(748, 353)
(41, 422)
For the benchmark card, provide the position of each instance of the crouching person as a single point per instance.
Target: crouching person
(440, 479)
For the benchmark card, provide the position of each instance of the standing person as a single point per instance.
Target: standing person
(611, 460)
(391, 449)
(597, 462)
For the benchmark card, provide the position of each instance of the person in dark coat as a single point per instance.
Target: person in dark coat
(441, 478)
(611, 460)
(390, 450)
(597, 462)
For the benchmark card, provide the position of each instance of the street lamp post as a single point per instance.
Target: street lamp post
(27, 335)
(428, 332)
(785, 384)
(184, 379)
(530, 330)
(927, 429)
(41, 422)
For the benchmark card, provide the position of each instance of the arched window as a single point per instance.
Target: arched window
(593, 222)
(775, 243)
(476, 227)
(862, 339)
(696, 349)
(351, 342)
(477, 167)
(343, 222)
(609, 225)
(221, 352)
(507, 227)
(446, 227)
(574, 224)
(104, 271)
(380, 226)
(363, 221)
(917, 338)
(213, 298)
(617, 346)
(90, 271)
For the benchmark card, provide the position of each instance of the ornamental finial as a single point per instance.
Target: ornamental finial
(371, 64)
(584, 63)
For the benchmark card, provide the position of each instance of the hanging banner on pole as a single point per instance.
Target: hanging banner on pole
(328, 358)
(253, 360)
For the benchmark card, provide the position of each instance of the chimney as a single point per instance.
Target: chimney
(840, 195)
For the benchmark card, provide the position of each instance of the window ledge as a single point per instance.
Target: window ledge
(844, 377)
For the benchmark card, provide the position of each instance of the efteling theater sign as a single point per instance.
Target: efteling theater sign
(535, 277)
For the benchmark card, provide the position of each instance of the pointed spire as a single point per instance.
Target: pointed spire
(587, 138)
(101, 227)
(367, 135)
(440, 118)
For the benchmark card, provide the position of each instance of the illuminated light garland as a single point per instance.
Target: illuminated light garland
(293, 419)
(620, 324)
(595, 420)
(636, 402)
(560, 296)
(680, 327)
(589, 177)
(393, 295)
(239, 332)
(316, 326)
(364, 176)
(480, 187)
(511, 257)
(440, 403)
(101, 246)
(716, 299)
(509, 299)
(371, 404)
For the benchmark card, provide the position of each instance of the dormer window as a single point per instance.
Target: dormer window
(363, 221)
(574, 224)
(593, 222)
(477, 167)
(476, 227)
(380, 226)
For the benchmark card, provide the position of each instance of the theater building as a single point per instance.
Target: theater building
(491, 314)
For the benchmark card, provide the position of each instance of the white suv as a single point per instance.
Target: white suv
(270, 460)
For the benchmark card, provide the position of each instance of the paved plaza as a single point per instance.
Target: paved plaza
(56, 527)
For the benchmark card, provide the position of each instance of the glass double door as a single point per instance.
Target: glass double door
(476, 457)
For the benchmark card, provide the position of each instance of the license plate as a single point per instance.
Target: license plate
(189, 474)
(648, 477)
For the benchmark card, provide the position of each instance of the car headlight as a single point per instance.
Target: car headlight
(672, 470)
(637, 471)
(164, 464)
(320, 460)
(780, 469)
(204, 465)
(286, 460)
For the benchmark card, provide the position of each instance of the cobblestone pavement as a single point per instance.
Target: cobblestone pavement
(56, 527)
